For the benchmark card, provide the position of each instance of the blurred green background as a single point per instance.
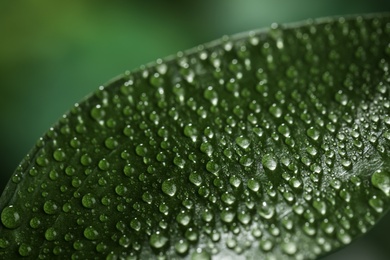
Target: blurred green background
(53, 53)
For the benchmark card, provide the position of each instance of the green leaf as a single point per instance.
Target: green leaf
(273, 143)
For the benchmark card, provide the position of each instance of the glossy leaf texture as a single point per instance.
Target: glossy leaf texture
(269, 144)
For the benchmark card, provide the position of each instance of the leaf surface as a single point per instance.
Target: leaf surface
(268, 144)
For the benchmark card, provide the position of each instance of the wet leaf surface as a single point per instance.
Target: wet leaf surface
(269, 144)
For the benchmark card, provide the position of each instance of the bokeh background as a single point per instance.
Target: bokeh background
(53, 53)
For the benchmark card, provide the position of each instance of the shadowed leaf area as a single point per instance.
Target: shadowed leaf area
(269, 144)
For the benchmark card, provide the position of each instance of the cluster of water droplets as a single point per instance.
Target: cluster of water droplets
(242, 148)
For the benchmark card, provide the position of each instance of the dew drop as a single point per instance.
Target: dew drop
(135, 224)
(183, 218)
(381, 180)
(179, 162)
(212, 167)
(207, 215)
(235, 181)
(200, 254)
(266, 211)
(227, 216)
(35, 222)
(344, 237)
(24, 249)
(275, 110)
(284, 130)
(191, 132)
(59, 155)
(289, 248)
(266, 245)
(169, 187)
(97, 113)
(341, 97)
(91, 233)
(103, 164)
(376, 204)
(253, 185)
(4, 243)
(111, 143)
(243, 142)
(85, 160)
(50, 234)
(313, 133)
(158, 240)
(246, 160)
(206, 148)
(50, 207)
(269, 162)
(195, 178)
(88, 201)
(211, 95)
(141, 150)
(181, 246)
(228, 198)
(121, 190)
(10, 217)
(320, 206)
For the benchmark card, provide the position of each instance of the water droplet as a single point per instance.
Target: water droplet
(179, 162)
(85, 160)
(207, 215)
(97, 113)
(24, 249)
(327, 227)
(169, 187)
(35, 222)
(320, 206)
(211, 95)
(376, 204)
(275, 110)
(344, 237)
(10, 217)
(121, 190)
(266, 245)
(103, 164)
(50, 207)
(289, 248)
(195, 178)
(200, 254)
(235, 181)
(88, 201)
(269, 162)
(284, 130)
(243, 142)
(313, 133)
(191, 132)
(212, 167)
(183, 218)
(181, 246)
(141, 150)
(59, 155)
(135, 224)
(91, 233)
(295, 183)
(341, 97)
(51, 234)
(158, 240)
(266, 211)
(4, 243)
(381, 180)
(253, 185)
(228, 198)
(206, 148)
(111, 143)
